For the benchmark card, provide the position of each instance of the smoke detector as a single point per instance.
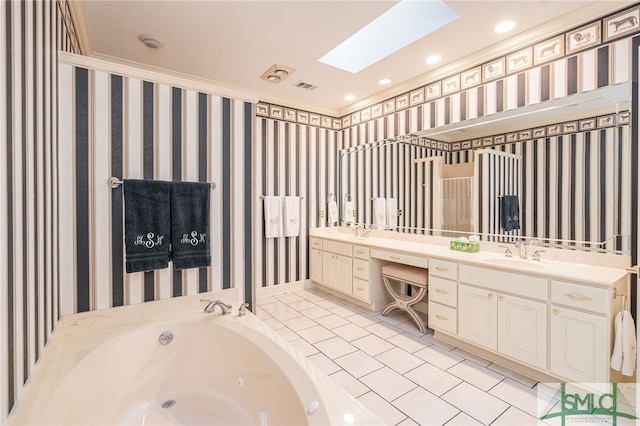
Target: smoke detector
(150, 41)
(277, 73)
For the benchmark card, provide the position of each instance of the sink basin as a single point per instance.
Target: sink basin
(516, 262)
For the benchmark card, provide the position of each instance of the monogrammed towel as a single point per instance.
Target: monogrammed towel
(147, 224)
(190, 207)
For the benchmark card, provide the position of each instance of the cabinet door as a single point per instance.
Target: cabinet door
(328, 269)
(343, 274)
(478, 316)
(522, 330)
(579, 349)
(316, 266)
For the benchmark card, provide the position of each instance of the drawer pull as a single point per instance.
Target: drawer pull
(359, 251)
(578, 297)
(501, 299)
(441, 318)
(395, 257)
(555, 312)
(360, 269)
(441, 269)
(490, 295)
(441, 291)
(359, 288)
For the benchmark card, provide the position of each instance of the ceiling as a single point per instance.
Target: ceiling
(232, 43)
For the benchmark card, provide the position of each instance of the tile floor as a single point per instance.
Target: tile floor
(403, 376)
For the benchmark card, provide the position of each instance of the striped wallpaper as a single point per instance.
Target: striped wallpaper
(120, 126)
(31, 35)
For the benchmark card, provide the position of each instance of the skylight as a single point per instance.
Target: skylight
(404, 23)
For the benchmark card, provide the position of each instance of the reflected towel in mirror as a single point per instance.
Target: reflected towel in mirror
(510, 212)
(392, 213)
(379, 213)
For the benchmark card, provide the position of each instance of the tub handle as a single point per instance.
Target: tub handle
(242, 310)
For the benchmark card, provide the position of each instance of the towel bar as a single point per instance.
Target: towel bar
(114, 182)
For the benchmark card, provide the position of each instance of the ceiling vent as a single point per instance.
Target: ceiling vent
(307, 86)
(277, 73)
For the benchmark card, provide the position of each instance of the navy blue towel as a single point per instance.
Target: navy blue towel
(147, 224)
(190, 207)
(510, 212)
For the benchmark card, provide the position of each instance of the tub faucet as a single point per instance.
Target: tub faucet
(210, 308)
(522, 249)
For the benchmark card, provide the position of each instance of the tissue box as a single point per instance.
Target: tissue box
(465, 246)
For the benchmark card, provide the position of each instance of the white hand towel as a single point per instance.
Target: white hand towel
(392, 213)
(333, 212)
(624, 347)
(272, 217)
(292, 216)
(349, 217)
(379, 213)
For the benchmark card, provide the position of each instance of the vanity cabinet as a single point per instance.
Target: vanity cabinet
(315, 260)
(580, 342)
(507, 314)
(443, 296)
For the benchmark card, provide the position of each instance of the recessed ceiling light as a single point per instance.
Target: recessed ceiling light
(377, 40)
(349, 97)
(384, 81)
(150, 41)
(433, 59)
(503, 27)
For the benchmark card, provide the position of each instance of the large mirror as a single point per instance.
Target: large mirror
(563, 164)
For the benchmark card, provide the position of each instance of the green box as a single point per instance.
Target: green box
(465, 246)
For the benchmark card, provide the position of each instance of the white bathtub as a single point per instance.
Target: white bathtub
(217, 370)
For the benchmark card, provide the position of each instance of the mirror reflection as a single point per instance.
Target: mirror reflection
(558, 172)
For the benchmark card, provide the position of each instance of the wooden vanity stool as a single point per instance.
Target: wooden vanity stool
(413, 276)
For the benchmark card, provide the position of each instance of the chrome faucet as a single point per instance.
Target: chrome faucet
(522, 249)
(210, 308)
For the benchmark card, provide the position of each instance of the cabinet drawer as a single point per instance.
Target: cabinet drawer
(361, 289)
(442, 318)
(337, 247)
(407, 259)
(580, 296)
(443, 291)
(443, 268)
(505, 282)
(361, 252)
(316, 243)
(361, 269)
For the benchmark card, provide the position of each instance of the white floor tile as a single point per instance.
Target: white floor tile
(372, 344)
(335, 347)
(395, 317)
(476, 403)
(439, 357)
(288, 297)
(389, 414)
(399, 360)
(344, 311)
(304, 347)
(463, 419)
(324, 363)
(425, 408)
(407, 422)
(311, 296)
(518, 395)
(412, 328)
(265, 300)
(331, 321)
(513, 416)
(408, 342)
(350, 383)
(300, 323)
(315, 312)
(359, 363)
(475, 374)
(383, 330)
(429, 337)
(315, 334)
(302, 304)
(350, 332)
(287, 334)
(328, 303)
(433, 379)
(362, 320)
(387, 383)
(273, 323)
